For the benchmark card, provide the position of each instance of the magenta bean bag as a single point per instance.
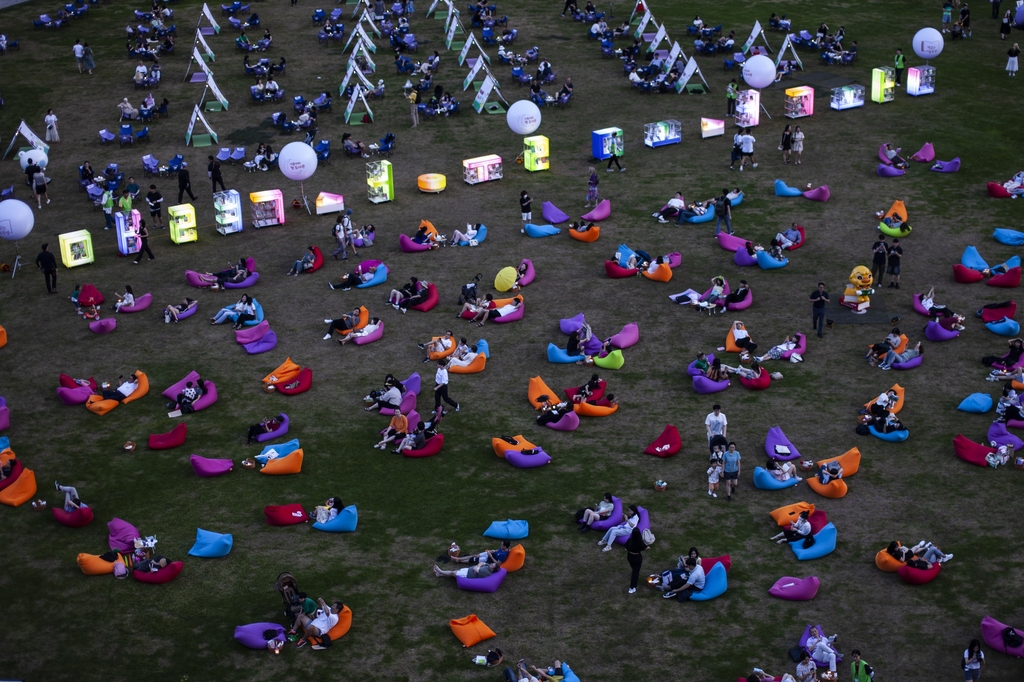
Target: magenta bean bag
(432, 447)
(375, 335)
(889, 171)
(82, 516)
(172, 439)
(104, 326)
(935, 332)
(209, 397)
(569, 325)
(674, 259)
(265, 343)
(951, 166)
(208, 468)
(432, 299)
(730, 242)
(971, 452)
(600, 212)
(121, 535)
(192, 277)
(251, 636)
(992, 633)
(615, 271)
(570, 421)
(966, 275)
(614, 519)
(552, 214)
(801, 347)
(703, 385)
(763, 381)
(818, 193)
(250, 265)
(777, 437)
(489, 584)
(919, 576)
(909, 364)
(407, 245)
(285, 514)
(513, 316)
(925, 154)
(530, 273)
(997, 191)
(74, 396)
(250, 334)
(643, 524)
(744, 304)
(725, 291)
(164, 575)
(995, 314)
(744, 259)
(521, 461)
(276, 433)
(141, 303)
(882, 157)
(666, 444)
(921, 310)
(628, 336)
(997, 433)
(407, 406)
(795, 589)
(1008, 280)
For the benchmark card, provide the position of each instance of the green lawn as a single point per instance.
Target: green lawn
(570, 601)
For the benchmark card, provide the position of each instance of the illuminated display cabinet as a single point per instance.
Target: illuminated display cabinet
(606, 143)
(847, 97)
(228, 205)
(920, 80)
(128, 229)
(748, 108)
(182, 223)
(481, 169)
(380, 181)
(799, 101)
(326, 202)
(711, 127)
(267, 208)
(883, 84)
(76, 248)
(536, 150)
(662, 133)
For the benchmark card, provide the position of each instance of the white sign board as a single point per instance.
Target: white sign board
(209, 17)
(472, 74)
(206, 47)
(754, 33)
(216, 91)
(481, 97)
(643, 24)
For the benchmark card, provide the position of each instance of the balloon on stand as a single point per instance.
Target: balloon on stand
(759, 71)
(297, 161)
(37, 156)
(523, 117)
(928, 43)
(16, 219)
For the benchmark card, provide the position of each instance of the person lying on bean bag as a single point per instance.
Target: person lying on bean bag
(739, 294)
(325, 618)
(879, 350)
(907, 355)
(888, 424)
(191, 393)
(775, 352)
(894, 158)
(697, 208)
(439, 345)
(172, 312)
(503, 311)
(781, 471)
(798, 530)
(459, 236)
(1009, 406)
(464, 359)
(347, 321)
(265, 426)
(488, 556)
(354, 278)
(304, 264)
(71, 500)
(231, 312)
(742, 338)
(1001, 364)
(481, 570)
(587, 389)
(788, 238)
(581, 226)
(422, 236)
(413, 293)
(761, 676)
(671, 209)
(6, 468)
(829, 471)
(234, 273)
(753, 372)
(389, 396)
(124, 389)
(1000, 269)
(327, 511)
(551, 412)
(520, 273)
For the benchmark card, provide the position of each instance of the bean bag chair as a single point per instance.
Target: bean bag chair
(743, 259)
(380, 275)
(536, 389)
(74, 396)
(318, 261)
(141, 303)
(909, 364)
(997, 191)
(375, 335)
(760, 383)
(98, 405)
(489, 584)
(1004, 327)
(834, 489)
(803, 645)
(992, 632)
(705, 217)
(901, 232)
(614, 271)
(67, 381)
(919, 576)
(977, 403)
(285, 514)
(716, 582)
(965, 275)
(821, 193)
(882, 157)
(933, 331)
(282, 466)
(818, 520)
(925, 154)
(919, 308)
(164, 575)
(341, 628)
(522, 461)
(250, 334)
(599, 212)
(747, 301)
(82, 516)
(265, 343)
(508, 530)
(765, 481)
(211, 545)
(643, 524)
(470, 630)
(795, 589)
(430, 301)
(891, 437)
(570, 421)
(552, 213)
(613, 360)
(594, 409)
(93, 565)
(824, 544)
(768, 263)
(613, 519)
(501, 446)
(889, 171)
(800, 242)
(478, 364)
(800, 349)
(209, 396)
(784, 190)
(121, 535)
(208, 468)
(588, 236)
(172, 439)
(725, 292)
(997, 433)
(345, 522)
(250, 265)
(704, 386)
(90, 295)
(193, 279)
(431, 448)
(16, 470)
(253, 636)
(530, 273)
(972, 259)
(538, 231)
(1008, 280)
(777, 439)
(628, 336)
(951, 166)
(1008, 237)
(103, 326)
(887, 562)
(730, 242)
(305, 379)
(971, 452)
(993, 314)
(662, 273)
(481, 235)
(260, 316)
(516, 559)
(412, 383)
(407, 245)
(783, 516)
(707, 563)
(666, 444)
(602, 385)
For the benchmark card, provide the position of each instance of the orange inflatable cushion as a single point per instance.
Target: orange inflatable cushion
(93, 565)
(289, 464)
(21, 491)
(589, 236)
(538, 388)
(786, 515)
(287, 371)
(502, 446)
(516, 559)
(470, 630)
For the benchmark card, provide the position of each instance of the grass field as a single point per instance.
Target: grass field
(570, 601)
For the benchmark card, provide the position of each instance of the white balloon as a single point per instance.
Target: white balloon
(297, 161)
(759, 71)
(523, 117)
(928, 43)
(37, 156)
(16, 219)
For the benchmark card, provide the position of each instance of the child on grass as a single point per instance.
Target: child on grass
(714, 471)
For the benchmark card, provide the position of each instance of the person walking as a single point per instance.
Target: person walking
(79, 51)
(1011, 62)
(1004, 25)
(731, 470)
(617, 150)
(747, 150)
(900, 61)
(441, 385)
(184, 183)
(413, 108)
(974, 658)
(340, 231)
(39, 187)
(731, 94)
(51, 127)
(879, 251)
(716, 423)
(995, 8)
(88, 59)
(798, 145)
(592, 183)
(786, 144)
(213, 170)
(155, 201)
(144, 236)
(723, 211)
(47, 264)
(818, 299)
(637, 542)
(526, 207)
(965, 19)
(737, 145)
(895, 259)
(107, 202)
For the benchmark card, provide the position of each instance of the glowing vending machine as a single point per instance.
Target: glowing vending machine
(606, 143)
(481, 169)
(128, 229)
(748, 108)
(228, 208)
(662, 133)
(182, 223)
(76, 248)
(883, 84)
(920, 80)
(536, 151)
(267, 208)
(847, 97)
(380, 181)
(799, 101)
(711, 127)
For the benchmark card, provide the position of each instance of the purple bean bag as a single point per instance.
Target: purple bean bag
(184, 315)
(592, 346)
(777, 437)
(882, 157)
(512, 316)
(489, 584)
(407, 245)
(103, 326)
(530, 273)
(266, 342)
(674, 259)
(992, 633)
(375, 335)
(909, 364)
(192, 277)
(725, 291)
(570, 421)
(744, 304)
(407, 406)
(209, 397)
(521, 461)
(74, 396)
(122, 535)
(250, 334)
(703, 385)
(925, 154)
(691, 369)
(614, 519)
(818, 193)
(208, 468)
(629, 336)
(279, 432)
(795, 589)
(920, 309)
(998, 433)
(935, 332)
(744, 259)
(643, 524)
(730, 242)
(801, 347)
(412, 383)
(141, 303)
(807, 635)
(251, 636)
(600, 212)
(889, 171)
(951, 166)
(250, 265)
(568, 325)
(552, 213)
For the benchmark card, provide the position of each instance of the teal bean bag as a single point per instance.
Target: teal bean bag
(1008, 237)
(624, 253)
(716, 582)
(568, 675)
(768, 263)
(736, 200)
(892, 436)
(508, 530)
(784, 190)
(708, 216)
(379, 277)
(211, 545)
(5, 442)
(344, 522)
(482, 347)
(765, 481)
(824, 543)
(977, 403)
(560, 356)
(1004, 327)
(972, 259)
(282, 448)
(541, 230)
(481, 235)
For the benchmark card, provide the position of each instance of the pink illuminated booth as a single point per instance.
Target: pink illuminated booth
(267, 208)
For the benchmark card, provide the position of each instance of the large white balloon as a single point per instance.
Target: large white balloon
(16, 219)
(523, 117)
(759, 71)
(928, 43)
(37, 156)
(297, 161)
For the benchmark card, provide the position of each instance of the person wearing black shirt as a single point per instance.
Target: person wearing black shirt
(879, 250)
(819, 297)
(526, 204)
(635, 545)
(965, 19)
(215, 176)
(144, 236)
(155, 201)
(895, 258)
(184, 183)
(48, 264)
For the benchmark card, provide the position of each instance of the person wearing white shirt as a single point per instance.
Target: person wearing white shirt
(798, 530)
(634, 77)
(974, 658)
(622, 529)
(325, 618)
(126, 388)
(441, 385)
(694, 582)
(821, 648)
(272, 85)
(141, 72)
(672, 209)
(716, 423)
(747, 150)
(79, 51)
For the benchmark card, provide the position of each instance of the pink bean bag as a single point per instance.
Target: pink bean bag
(407, 407)
(992, 633)
(667, 444)
(121, 535)
(725, 291)
(745, 303)
(530, 273)
(265, 343)
(730, 242)
(285, 514)
(104, 326)
(615, 271)
(407, 245)
(172, 439)
(703, 385)
(600, 212)
(74, 396)
(164, 575)
(801, 347)
(208, 398)
(192, 278)
(1008, 280)
(513, 316)
(432, 299)
(628, 336)
(795, 589)
(82, 516)
(933, 331)
(925, 154)
(141, 303)
(250, 334)
(818, 193)
(971, 452)
(552, 214)
(674, 259)
(918, 576)
(521, 461)
(889, 171)
(208, 468)
(431, 448)
(997, 191)
(921, 310)
(570, 421)
(375, 335)
(882, 157)
(744, 259)
(965, 275)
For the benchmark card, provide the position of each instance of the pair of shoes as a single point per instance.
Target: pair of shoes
(884, 368)
(662, 221)
(945, 558)
(421, 346)
(300, 644)
(892, 285)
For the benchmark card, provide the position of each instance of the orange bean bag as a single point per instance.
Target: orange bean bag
(289, 464)
(849, 460)
(364, 319)
(431, 230)
(589, 236)
(21, 491)
(444, 353)
(470, 630)
(887, 562)
(501, 446)
(591, 410)
(730, 342)
(91, 564)
(3, 337)
(899, 349)
(172, 439)
(286, 372)
(834, 489)
(142, 390)
(340, 628)
(516, 559)
(786, 515)
(16, 470)
(97, 405)
(478, 365)
(900, 395)
(662, 273)
(538, 388)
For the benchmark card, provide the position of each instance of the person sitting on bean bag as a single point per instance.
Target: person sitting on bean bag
(503, 311)
(899, 552)
(488, 556)
(653, 266)
(438, 345)
(264, 426)
(624, 528)
(893, 221)
(477, 306)
(775, 250)
(1009, 406)
(788, 238)
(716, 372)
(172, 312)
(821, 648)
(829, 471)
(581, 226)
(413, 293)
(753, 372)
(71, 499)
(304, 264)
(894, 158)
(883, 404)
(551, 412)
(481, 570)
(878, 350)
(716, 297)
(798, 530)
(775, 352)
(697, 208)
(228, 312)
(781, 471)
(468, 235)
(184, 400)
(930, 554)
(345, 322)
(466, 359)
(354, 278)
(423, 237)
(328, 511)
(413, 441)
(598, 512)
(124, 388)
(127, 300)
(694, 582)
(701, 363)
(739, 295)
(672, 208)
(888, 424)
(390, 396)
(235, 273)
(398, 429)
(742, 338)
(324, 619)
(587, 389)
(892, 357)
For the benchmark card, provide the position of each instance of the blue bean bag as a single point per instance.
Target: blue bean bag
(624, 253)
(344, 522)
(765, 481)
(716, 582)
(824, 543)
(784, 190)
(257, 319)
(568, 675)
(482, 347)
(211, 545)
(1004, 327)
(972, 259)
(768, 263)
(736, 200)
(508, 530)
(560, 356)
(282, 448)
(379, 277)
(708, 216)
(1008, 237)
(891, 437)
(541, 230)
(481, 235)
(976, 403)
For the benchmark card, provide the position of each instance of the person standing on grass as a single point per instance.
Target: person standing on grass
(592, 183)
(338, 231)
(155, 200)
(441, 385)
(895, 258)
(879, 251)
(947, 15)
(731, 470)
(1011, 63)
(215, 175)
(1004, 25)
(995, 8)
(786, 144)
(637, 542)
(818, 299)
(107, 202)
(51, 127)
(965, 19)
(47, 264)
(88, 60)
(526, 207)
(731, 93)
(39, 187)
(974, 658)
(798, 145)
(184, 183)
(900, 62)
(413, 109)
(617, 149)
(716, 423)
(737, 145)
(723, 211)
(79, 50)
(144, 236)
(747, 150)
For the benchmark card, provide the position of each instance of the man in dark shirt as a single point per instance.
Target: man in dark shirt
(895, 258)
(819, 297)
(48, 264)
(879, 251)
(215, 175)
(155, 201)
(184, 183)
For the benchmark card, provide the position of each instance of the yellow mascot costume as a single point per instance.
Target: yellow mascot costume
(858, 291)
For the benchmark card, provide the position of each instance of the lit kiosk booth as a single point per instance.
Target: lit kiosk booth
(883, 84)
(482, 169)
(662, 133)
(536, 151)
(181, 221)
(920, 80)
(847, 97)
(76, 248)
(128, 230)
(228, 208)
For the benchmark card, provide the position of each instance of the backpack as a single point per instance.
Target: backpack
(720, 206)
(1012, 638)
(809, 542)
(469, 290)
(863, 430)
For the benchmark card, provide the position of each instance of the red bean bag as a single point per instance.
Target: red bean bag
(760, 383)
(89, 295)
(431, 448)
(707, 563)
(997, 191)
(305, 380)
(16, 470)
(80, 517)
(595, 396)
(971, 452)
(918, 576)
(318, 260)
(615, 271)
(965, 275)
(803, 238)
(994, 314)
(667, 444)
(432, 299)
(67, 381)
(164, 575)
(818, 520)
(285, 514)
(1007, 280)
(172, 439)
